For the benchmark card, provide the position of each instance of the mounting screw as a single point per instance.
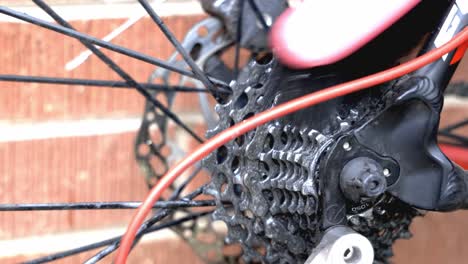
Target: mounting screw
(347, 146)
(386, 172)
(362, 178)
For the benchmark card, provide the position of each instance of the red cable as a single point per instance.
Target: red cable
(269, 115)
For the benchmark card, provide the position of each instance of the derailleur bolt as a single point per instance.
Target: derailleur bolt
(362, 178)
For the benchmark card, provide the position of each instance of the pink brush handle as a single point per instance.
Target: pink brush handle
(320, 32)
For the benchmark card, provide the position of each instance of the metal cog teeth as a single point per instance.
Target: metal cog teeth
(270, 197)
(292, 202)
(389, 220)
(265, 182)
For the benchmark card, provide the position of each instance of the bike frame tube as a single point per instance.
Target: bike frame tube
(441, 71)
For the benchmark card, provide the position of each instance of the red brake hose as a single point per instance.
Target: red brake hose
(269, 115)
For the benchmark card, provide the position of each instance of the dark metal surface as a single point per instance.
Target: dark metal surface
(274, 177)
(260, 181)
(270, 175)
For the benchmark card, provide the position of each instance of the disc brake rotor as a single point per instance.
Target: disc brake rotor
(153, 144)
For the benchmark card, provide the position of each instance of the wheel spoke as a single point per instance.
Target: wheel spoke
(161, 214)
(238, 38)
(116, 69)
(259, 14)
(455, 126)
(113, 240)
(167, 207)
(100, 83)
(180, 49)
(103, 205)
(84, 37)
(176, 193)
(452, 143)
(462, 140)
(447, 132)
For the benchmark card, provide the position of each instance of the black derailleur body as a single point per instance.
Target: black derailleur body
(407, 131)
(399, 145)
